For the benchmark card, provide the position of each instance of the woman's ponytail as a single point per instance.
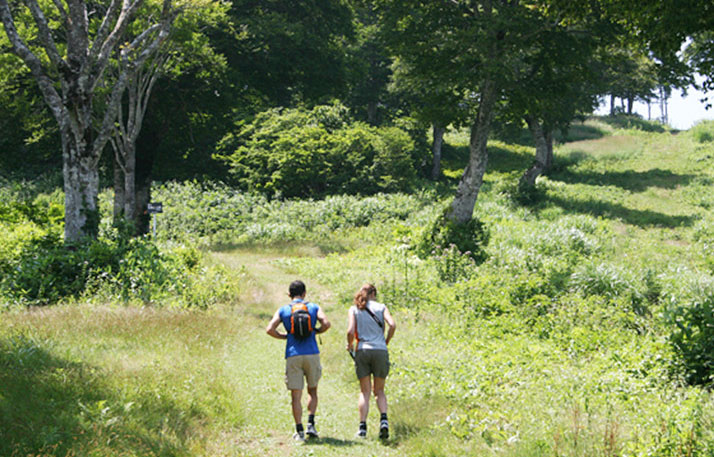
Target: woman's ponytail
(362, 295)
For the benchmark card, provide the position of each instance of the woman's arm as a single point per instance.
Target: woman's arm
(392, 325)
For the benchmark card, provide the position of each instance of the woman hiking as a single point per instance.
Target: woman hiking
(366, 342)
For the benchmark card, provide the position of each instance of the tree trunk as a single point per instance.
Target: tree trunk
(630, 104)
(612, 105)
(549, 144)
(543, 139)
(140, 182)
(372, 113)
(143, 197)
(81, 188)
(118, 191)
(130, 182)
(436, 150)
(462, 207)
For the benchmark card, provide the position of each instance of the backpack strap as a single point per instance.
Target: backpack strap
(369, 311)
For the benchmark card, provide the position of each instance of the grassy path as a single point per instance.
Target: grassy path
(256, 365)
(93, 380)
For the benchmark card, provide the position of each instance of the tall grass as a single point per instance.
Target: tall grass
(585, 331)
(102, 381)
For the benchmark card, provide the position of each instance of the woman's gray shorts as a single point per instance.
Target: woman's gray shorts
(372, 362)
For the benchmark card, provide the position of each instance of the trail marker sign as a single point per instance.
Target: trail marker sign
(155, 208)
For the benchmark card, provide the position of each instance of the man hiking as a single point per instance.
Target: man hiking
(302, 357)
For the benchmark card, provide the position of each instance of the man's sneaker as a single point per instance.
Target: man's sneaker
(311, 432)
(361, 433)
(299, 437)
(383, 429)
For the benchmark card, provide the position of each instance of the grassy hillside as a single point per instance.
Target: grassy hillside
(587, 330)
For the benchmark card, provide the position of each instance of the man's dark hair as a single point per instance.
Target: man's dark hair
(297, 288)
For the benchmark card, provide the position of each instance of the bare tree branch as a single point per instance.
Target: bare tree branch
(45, 34)
(62, 11)
(20, 48)
(107, 126)
(118, 156)
(105, 50)
(103, 30)
(143, 36)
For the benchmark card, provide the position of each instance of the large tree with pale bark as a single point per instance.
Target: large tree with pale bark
(474, 47)
(68, 46)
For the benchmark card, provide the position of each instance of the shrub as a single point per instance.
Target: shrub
(469, 238)
(691, 333)
(600, 279)
(46, 271)
(218, 213)
(15, 239)
(299, 153)
(703, 132)
(452, 265)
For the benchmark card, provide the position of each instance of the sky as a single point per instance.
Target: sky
(684, 111)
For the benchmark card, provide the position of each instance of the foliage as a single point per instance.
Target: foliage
(300, 153)
(469, 238)
(218, 213)
(691, 321)
(36, 268)
(45, 271)
(703, 132)
(580, 333)
(368, 64)
(289, 51)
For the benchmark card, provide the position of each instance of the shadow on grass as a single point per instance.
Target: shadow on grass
(635, 181)
(579, 132)
(576, 132)
(53, 406)
(330, 442)
(640, 218)
(500, 159)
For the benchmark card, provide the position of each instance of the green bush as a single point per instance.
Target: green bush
(300, 153)
(220, 213)
(704, 236)
(452, 265)
(46, 271)
(469, 238)
(691, 322)
(703, 132)
(596, 278)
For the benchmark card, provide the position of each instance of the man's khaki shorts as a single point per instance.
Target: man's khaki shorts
(298, 367)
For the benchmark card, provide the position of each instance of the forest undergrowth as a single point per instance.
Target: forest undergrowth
(585, 330)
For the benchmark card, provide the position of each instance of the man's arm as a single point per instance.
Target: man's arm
(272, 328)
(351, 327)
(324, 323)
